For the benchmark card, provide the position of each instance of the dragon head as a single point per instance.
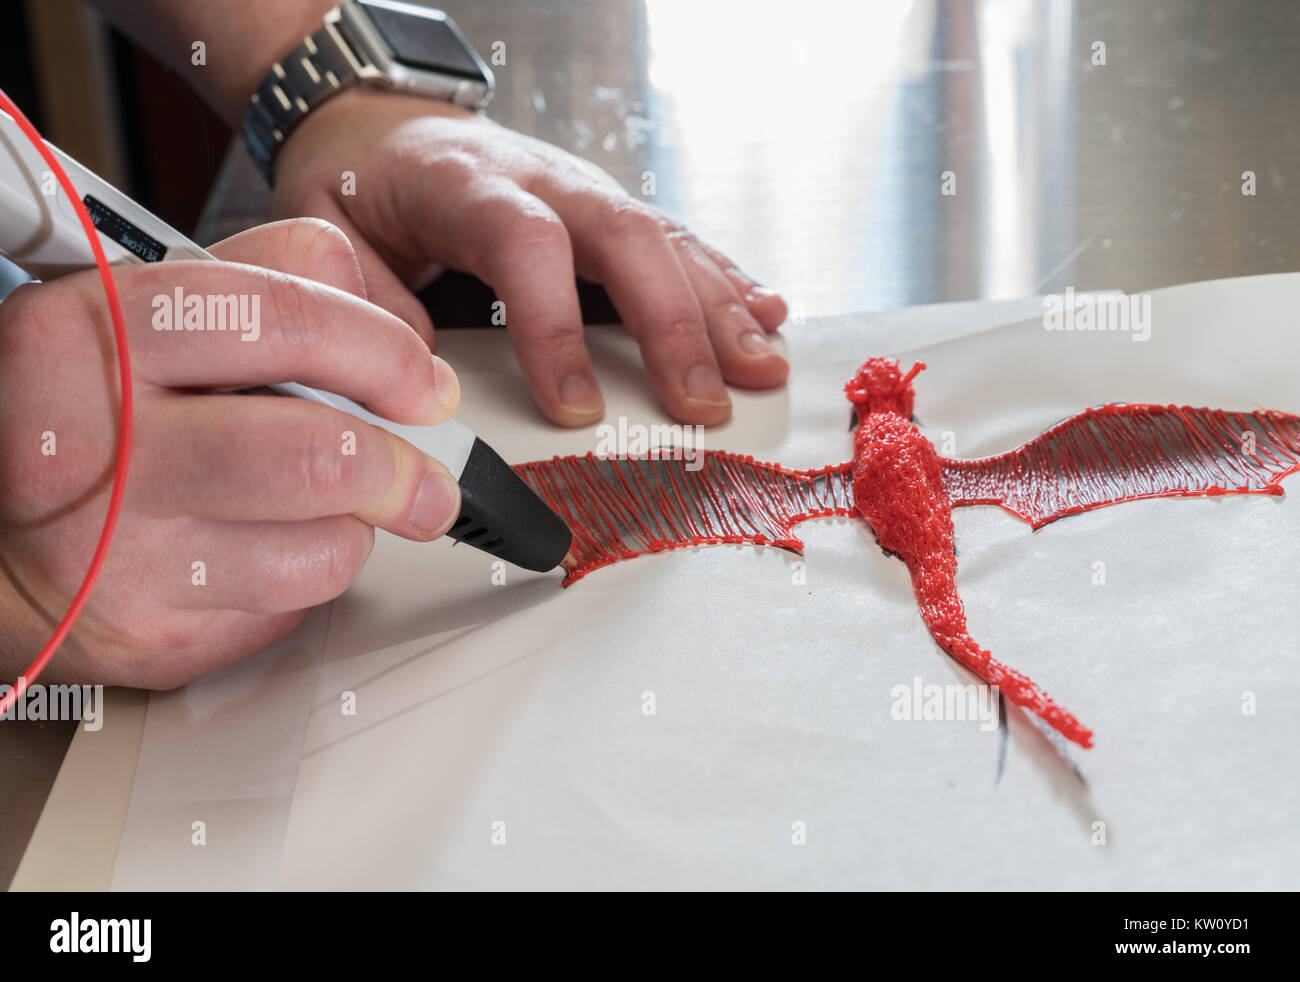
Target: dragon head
(879, 387)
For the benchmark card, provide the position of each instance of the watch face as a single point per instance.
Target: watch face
(420, 37)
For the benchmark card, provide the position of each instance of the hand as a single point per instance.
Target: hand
(258, 488)
(437, 185)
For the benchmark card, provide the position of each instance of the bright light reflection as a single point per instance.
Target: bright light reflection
(733, 87)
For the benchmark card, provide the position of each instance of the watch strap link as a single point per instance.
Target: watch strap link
(319, 66)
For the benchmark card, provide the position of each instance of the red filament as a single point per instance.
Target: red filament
(624, 507)
(1109, 454)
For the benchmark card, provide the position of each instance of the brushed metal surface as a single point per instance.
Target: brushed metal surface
(810, 139)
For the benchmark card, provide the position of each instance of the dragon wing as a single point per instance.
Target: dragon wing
(623, 507)
(1115, 453)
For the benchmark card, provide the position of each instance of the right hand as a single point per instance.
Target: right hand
(256, 487)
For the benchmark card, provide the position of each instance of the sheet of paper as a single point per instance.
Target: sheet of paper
(221, 753)
(722, 717)
(228, 744)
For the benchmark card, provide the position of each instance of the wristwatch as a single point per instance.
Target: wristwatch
(406, 47)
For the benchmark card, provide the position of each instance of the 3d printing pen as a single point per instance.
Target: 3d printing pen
(41, 233)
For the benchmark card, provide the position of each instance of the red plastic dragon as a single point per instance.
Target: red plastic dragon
(624, 507)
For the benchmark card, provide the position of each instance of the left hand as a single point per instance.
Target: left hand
(435, 184)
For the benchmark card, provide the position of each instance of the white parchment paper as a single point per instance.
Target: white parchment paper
(502, 736)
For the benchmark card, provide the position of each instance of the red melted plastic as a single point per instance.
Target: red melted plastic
(898, 487)
(624, 507)
(620, 508)
(1109, 454)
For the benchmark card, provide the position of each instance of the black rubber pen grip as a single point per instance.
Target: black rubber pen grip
(503, 516)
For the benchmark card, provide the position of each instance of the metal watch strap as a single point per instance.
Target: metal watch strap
(317, 68)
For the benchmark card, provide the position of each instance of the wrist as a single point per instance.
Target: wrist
(222, 49)
(280, 27)
(362, 112)
(408, 48)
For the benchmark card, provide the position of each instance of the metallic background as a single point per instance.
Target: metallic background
(809, 139)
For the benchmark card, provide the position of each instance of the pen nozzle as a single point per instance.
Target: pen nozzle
(503, 516)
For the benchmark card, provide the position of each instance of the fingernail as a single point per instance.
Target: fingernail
(436, 504)
(760, 293)
(754, 343)
(579, 394)
(704, 384)
(446, 387)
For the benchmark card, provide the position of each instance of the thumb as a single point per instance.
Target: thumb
(421, 501)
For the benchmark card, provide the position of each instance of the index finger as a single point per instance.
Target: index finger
(224, 325)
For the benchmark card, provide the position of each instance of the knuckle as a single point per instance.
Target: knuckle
(317, 465)
(292, 328)
(682, 239)
(455, 167)
(680, 332)
(556, 337)
(324, 239)
(531, 230)
(413, 371)
(342, 555)
(723, 311)
(626, 218)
